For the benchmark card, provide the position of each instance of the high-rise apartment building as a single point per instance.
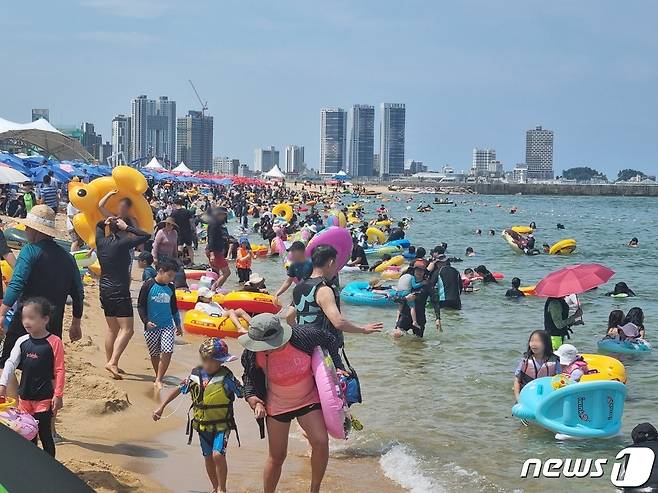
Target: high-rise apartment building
(225, 166)
(391, 139)
(539, 154)
(194, 137)
(482, 158)
(153, 128)
(333, 140)
(121, 137)
(362, 140)
(294, 159)
(265, 159)
(40, 113)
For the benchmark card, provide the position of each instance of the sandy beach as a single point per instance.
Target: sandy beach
(111, 442)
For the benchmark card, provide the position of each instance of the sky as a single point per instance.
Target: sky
(472, 73)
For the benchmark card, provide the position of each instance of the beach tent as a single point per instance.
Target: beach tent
(340, 176)
(275, 173)
(15, 162)
(43, 135)
(154, 164)
(182, 168)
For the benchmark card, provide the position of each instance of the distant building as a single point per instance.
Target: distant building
(225, 166)
(539, 154)
(40, 113)
(153, 128)
(391, 139)
(482, 158)
(520, 173)
(333, 140)
(495, 169)
(362, 140)
(121, 137)
(294, 159)
(244, 170)
(375, 165)
(194, 137)
(265, 159)
(106, 151)
(412, 167)
(91, 141)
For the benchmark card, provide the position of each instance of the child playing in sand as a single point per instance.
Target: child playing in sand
(40, 356)
(157, 308)
(213, 388)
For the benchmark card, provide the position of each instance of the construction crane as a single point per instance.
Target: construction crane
(204, 106)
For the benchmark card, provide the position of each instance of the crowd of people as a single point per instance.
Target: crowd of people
(277, 381)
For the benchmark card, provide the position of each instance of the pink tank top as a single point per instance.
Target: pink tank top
(290, 382)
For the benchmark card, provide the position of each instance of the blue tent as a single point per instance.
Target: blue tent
(37, 173)
(14, 162)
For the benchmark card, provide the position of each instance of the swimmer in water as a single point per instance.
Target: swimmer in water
(546, 247)
(560, 226)
(470, 252)
(634, 243)
(533, 225)
(514, 292)
(492, 232)
(478, 231)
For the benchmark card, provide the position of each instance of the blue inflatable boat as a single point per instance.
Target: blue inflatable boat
(357, 293)
(583, 410)
(404, 243)
(615, 346)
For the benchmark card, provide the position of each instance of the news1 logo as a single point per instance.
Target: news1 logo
(631, 469)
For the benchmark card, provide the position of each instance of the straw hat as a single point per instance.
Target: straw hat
(255, 279)
(42, 219)
(169, 220)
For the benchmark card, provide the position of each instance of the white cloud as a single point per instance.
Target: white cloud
(120, 37)
(141, 9)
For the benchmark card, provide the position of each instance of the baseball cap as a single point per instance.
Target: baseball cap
(215, 348)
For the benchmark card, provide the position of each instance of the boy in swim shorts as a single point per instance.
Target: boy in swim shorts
(213, 388)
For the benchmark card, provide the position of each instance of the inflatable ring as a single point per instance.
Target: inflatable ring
(351, 219)
(508, 235)
(384, 250)
(199, 322)
(528, 290)
(397, 260)
(186, 299)
(332, 400)
(375, 235)
(359, 293)
(391, 274)
(523, 230)
(283, 210)
(563, 247)
(339, 238)
(614, 346)
(260, 250)
(252, 303)
(603, 367)
(336, 218)
(384, 222)
(129, 182)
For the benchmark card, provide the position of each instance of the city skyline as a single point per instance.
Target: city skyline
(569, 76)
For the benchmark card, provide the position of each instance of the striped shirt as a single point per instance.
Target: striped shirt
(48, 194)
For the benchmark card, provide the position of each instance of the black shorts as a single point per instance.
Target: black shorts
(120, 307)
(185, 240)
(289, 416)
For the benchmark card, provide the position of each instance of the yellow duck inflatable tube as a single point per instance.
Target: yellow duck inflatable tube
(130, 184)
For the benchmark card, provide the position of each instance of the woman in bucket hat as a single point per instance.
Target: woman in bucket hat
(279, 386)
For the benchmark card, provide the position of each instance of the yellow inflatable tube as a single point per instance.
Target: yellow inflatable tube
(385, 222)
(524, 230)
(283, 210)
(130, 184)
(375, 235)
(563, 247)
(397, 260)
(391, 274)
(7, 272)
(603, 368)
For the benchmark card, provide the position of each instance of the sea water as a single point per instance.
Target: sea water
(437, 411)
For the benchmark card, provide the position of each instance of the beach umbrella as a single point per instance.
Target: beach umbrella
(39, 172)
(573, 279)
(15, 162)
(10, 175)
(28, 469)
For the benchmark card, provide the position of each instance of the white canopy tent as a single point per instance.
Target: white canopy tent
(275, 173)
(182, 168)
(154, 164)
(42, 134)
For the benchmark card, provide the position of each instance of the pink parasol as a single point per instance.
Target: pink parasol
(574, 279)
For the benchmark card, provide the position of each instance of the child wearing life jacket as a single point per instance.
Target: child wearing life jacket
(213, 388)
(40, 355)
(572, 364)
(243, 260)
(538, 361)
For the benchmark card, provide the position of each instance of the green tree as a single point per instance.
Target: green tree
(627, 174)
(582, 173)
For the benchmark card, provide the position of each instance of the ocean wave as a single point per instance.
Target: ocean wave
(403, 467)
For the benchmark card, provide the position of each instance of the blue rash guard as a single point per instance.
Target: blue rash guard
(157, 304)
